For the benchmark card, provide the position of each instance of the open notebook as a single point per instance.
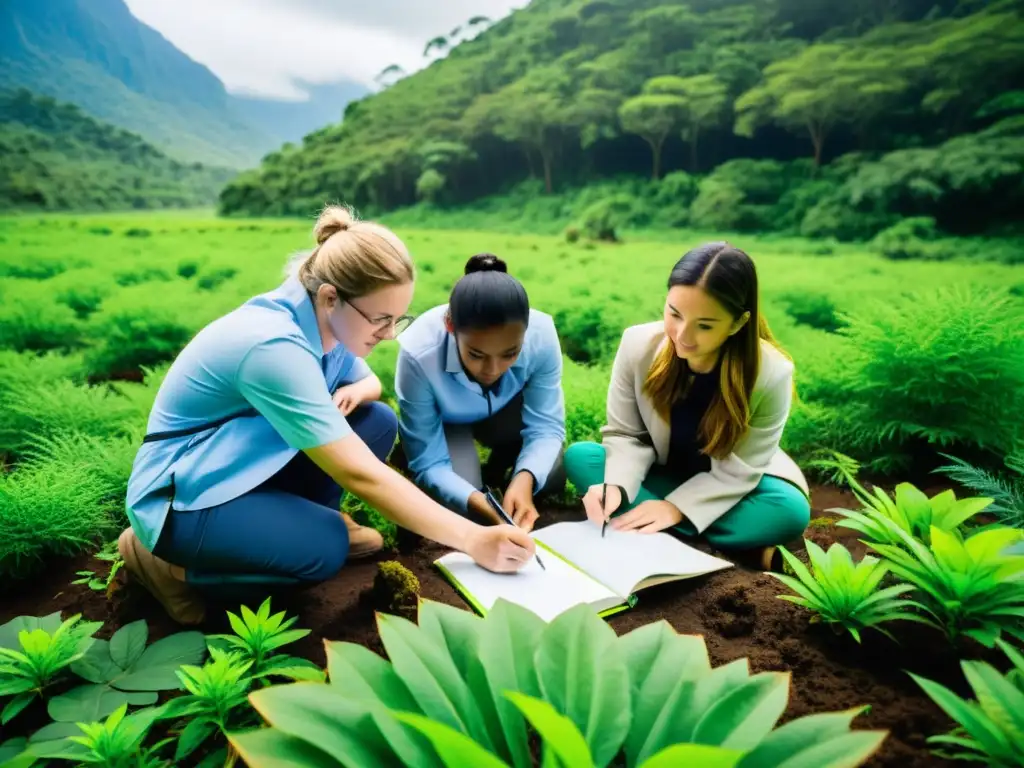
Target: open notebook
(604, 572)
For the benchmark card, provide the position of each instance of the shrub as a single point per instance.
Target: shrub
(141, 274)
(602, 219)
(32, 267)
(187, 269)
(430, 185)
(213, 279)
(134, 337)
(938, 368)
(50, 509)
(137, 232)
(395, 588)
(31, 321)
(1006, 492)
(585, 334)
(585, 405)
(625, 698)
(913, 238)
(814, 309)
(572, 234)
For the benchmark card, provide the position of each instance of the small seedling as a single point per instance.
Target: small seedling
(107, 584)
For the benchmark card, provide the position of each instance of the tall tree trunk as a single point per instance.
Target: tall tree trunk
(529, 160)
(818, 139)
(545, 156)
(656, 144)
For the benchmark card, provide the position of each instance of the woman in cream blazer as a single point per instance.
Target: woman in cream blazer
(697, 404)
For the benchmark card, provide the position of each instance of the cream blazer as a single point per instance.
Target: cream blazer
(635, 436)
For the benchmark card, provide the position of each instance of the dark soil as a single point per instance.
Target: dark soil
(737, 611)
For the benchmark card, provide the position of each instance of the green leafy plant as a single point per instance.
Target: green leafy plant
(258, 636)
(43, 655)
(105, 584)
(911, 511)
(843, 593)
(117, 742)
(971, 587)
(630, 697)
(1007, 492)
(216, 701)
(991, 727)
(122, 671)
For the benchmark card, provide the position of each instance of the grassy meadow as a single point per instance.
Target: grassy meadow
(896, 361)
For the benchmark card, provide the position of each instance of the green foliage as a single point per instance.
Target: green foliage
(1007, 493)
(601, 220)
(110, 553)
(969, 587)
(59, 158)
(472, 685)
(814, 309)
(117, 741)
(990, 726)
(843, 593)
(256, 638)
(911, 512)
(40, 657)
(931, 368)
(124, 670)
(216, 701)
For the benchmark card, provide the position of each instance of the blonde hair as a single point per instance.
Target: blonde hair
(729, 275)
(356, 257)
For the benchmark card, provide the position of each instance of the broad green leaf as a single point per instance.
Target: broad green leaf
(688, 703)
(557, 732)
(155, 668)
(128, 643)
(661, 662)
(364, 677)
(847, 751)
(12, 748)
(694, 755)
(90, 703)
(270, 748)
(787, 741)
(743, 717)
(9, 631)
(324, 716)
(96, 665)
(967, 714)
(428, 671)
(508, 640)
(583, 674)
(55, 731)
(999, 699)
(457, 631)
(456, 749)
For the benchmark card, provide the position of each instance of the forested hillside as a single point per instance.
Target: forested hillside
(56, 158)
(842, 117)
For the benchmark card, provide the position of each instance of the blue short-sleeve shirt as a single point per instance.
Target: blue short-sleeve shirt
(264, 360)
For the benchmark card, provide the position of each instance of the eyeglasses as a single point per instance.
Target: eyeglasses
(383, 323)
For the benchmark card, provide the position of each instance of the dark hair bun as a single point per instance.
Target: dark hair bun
(485, 262)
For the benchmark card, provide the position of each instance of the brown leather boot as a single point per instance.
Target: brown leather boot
(362, 540)
(182, 602)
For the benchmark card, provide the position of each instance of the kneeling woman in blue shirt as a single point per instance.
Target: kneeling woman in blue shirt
(484, 367)
(697, 405)
(262, 420)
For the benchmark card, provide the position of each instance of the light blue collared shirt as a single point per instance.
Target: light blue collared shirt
(432, 390)
(265, 355)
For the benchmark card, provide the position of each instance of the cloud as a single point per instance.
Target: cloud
(268, 47)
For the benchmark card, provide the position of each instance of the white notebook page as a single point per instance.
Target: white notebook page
(623, 559)
(545, 592)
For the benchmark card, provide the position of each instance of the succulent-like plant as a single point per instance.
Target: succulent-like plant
(843, 593)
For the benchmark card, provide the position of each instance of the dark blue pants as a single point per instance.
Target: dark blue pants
(287, 531)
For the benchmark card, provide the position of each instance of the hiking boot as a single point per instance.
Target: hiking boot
(182, 602)
(362, 540)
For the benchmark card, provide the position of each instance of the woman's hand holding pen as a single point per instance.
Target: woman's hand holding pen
(596, 512)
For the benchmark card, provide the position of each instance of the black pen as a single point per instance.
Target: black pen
(493, 501)
(604, 492)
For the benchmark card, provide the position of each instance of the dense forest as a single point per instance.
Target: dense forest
(55, 157)
(823, 118)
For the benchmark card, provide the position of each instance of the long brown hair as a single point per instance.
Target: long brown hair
(728, 275)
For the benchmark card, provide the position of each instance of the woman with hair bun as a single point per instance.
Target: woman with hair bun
(266, 416)
(484, 367)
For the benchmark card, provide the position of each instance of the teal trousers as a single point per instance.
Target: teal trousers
(775, 512)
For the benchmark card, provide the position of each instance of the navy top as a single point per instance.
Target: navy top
(684, 456)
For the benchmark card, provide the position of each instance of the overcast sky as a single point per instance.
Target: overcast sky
(262, 47)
